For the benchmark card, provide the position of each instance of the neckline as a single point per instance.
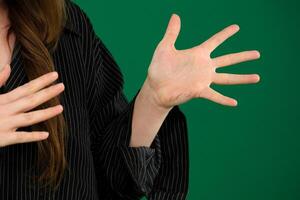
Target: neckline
(16, 50)
(14, 64)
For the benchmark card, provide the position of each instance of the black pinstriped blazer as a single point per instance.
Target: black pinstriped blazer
(101, 164)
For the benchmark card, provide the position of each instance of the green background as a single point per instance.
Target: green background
(247, 152)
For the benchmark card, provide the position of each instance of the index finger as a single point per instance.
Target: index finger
(213, 42)
(29, 88)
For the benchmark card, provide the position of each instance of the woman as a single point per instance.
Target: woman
(80, 138)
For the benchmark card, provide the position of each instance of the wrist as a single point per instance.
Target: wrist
(148, 117)
(150, 97)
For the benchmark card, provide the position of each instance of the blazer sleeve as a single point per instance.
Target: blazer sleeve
(128, 171)
(172, 180)
(159, 171)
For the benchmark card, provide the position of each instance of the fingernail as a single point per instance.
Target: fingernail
(54, 74)
(60, 107)
(236, 26)
(45, 134)
(257, 78)
(257, 54)
(61, 85)
(235, 103)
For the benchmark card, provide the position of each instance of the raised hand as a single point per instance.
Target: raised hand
(14, 107)
(176, 76)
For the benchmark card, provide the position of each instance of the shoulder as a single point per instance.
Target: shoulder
(77, 20)
(80, 32)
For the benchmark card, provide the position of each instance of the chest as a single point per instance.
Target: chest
(69, 64)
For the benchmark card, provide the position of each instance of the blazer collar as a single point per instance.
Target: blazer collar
(69, 26)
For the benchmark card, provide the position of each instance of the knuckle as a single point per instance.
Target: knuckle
(227, 81)
(48, 92)
(218, 40)
(5, 111)
(4, 98)
(226, 78)
(17, 138)
(5, 123)
(29, 86)
(33, 136)
(28, 117)
(31, 99)
(23, 137)
(8, 98)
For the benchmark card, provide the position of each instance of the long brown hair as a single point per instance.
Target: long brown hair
(37, 25)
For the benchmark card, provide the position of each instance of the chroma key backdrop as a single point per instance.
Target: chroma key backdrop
(248, 152)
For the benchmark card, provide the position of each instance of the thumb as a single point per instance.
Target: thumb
(4, 74)
(173, 29)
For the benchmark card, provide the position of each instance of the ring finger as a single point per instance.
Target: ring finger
(34, 117)
(31, 101)
(232, 79)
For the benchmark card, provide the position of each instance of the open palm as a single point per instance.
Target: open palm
(177, 76)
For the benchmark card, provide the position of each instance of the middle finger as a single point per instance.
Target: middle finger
(231, 79)
(29, 102)
(235, 58)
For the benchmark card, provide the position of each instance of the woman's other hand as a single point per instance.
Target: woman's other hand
(14, 107)
(176, 76)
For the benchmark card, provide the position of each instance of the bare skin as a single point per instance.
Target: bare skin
(6, 46)
(174, 77)
(177, 76)
(15, 105)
